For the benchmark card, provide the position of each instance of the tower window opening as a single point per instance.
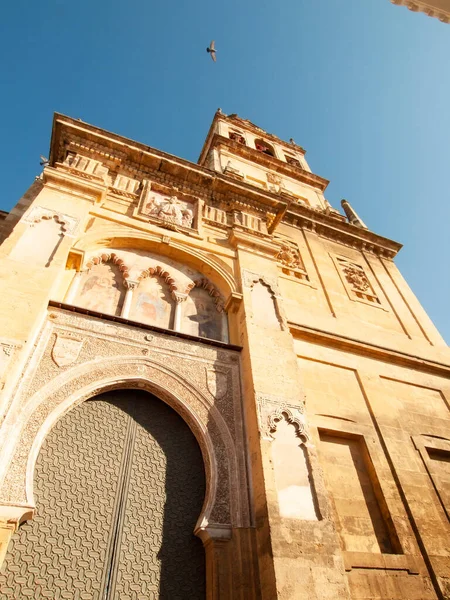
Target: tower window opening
(291, 160)
(264, 148)
(237, 137)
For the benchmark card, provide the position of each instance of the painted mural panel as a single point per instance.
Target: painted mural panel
(152, 304)
(102, 290)
(201, 317)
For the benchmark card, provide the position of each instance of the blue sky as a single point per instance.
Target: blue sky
(362, 85)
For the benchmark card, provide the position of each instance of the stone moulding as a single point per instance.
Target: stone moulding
(111, 357)
(191, 176)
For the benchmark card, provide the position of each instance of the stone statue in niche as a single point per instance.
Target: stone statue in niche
(170, 210)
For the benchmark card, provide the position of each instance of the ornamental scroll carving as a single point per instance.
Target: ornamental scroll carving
(271, 411)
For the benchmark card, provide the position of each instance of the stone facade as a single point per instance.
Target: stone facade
(440, 9)
(282, 333)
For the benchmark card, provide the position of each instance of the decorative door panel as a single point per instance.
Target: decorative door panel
(119, 484)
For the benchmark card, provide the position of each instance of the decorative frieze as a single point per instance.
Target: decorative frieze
(249, 221)
(125, 186)
(215, 215)
(85, 167)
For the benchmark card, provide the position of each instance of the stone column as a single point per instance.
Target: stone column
(130, 285)
(73, 288)
(216, 541)
(179, 299)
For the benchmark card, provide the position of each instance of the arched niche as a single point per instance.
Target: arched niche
(100, 286)
(152, 303)
(265, 310)
(203, 313)
(293, 478)
(40, 241)
(206, 265)
(150, 288)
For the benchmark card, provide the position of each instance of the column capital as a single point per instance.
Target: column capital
(130, 284)
(179, 297)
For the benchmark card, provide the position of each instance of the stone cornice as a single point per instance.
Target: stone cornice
(92, 188)
(340, 231)
(429, 8)
(270, 162)
(361, 348)
(202, 182)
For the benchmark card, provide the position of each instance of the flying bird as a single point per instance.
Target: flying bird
(212, 50)
(44, 161)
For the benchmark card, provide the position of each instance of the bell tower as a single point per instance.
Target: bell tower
(239, 149)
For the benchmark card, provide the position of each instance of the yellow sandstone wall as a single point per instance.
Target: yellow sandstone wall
(345, 380)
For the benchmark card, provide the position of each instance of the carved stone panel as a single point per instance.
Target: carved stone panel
(167, 207)
(356, 281)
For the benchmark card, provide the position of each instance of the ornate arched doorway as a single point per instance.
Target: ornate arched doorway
(119, 485)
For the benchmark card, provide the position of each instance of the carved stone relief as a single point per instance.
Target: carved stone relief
(7, 349)
(275, 183)
(66, 349)
(356, 281)
(79, 356)
(291, 262)
(167, 208)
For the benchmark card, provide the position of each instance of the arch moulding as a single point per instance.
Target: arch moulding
(201, 385)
